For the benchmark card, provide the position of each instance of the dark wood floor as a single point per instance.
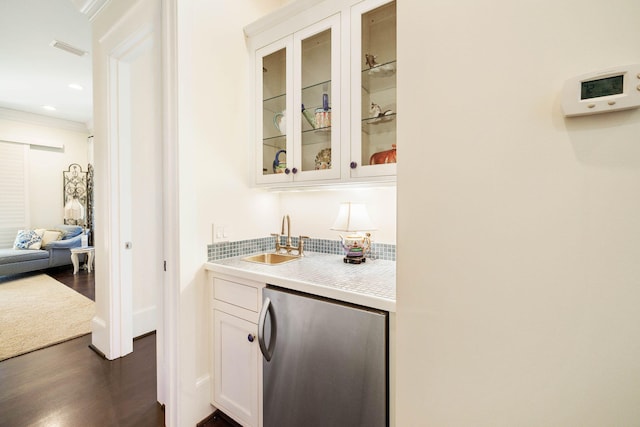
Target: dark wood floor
(69, 385)
(83, 282)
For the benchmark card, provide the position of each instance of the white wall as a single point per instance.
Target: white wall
(146, 182)
(313, 212)
(46, 164)
(213, 154)
(518, 293)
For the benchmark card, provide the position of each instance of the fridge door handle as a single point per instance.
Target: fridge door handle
(267, 308)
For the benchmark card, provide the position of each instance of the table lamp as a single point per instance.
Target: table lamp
(74, 210)
(353, 218)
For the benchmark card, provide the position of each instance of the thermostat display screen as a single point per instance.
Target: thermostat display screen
(602, 87)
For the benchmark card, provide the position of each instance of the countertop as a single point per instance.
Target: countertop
(371, 284)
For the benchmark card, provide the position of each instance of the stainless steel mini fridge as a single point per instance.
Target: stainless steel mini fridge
(324, 362)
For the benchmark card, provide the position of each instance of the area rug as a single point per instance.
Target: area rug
(38, 311)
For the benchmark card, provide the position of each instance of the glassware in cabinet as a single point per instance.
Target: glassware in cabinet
(274, 87)
(318, 48)
(374, 89)
(316, 87)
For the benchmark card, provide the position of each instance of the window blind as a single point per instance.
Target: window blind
(14, 213)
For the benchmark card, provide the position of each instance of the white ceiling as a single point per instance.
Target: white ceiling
(32, 73)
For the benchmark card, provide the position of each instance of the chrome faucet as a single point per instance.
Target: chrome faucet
(288, 246)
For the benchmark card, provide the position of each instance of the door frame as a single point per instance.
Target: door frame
(108, 334)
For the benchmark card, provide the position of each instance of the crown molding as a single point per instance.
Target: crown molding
(90, 8)
(40, 120)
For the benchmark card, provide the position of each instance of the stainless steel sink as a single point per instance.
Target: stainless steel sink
(271, 258)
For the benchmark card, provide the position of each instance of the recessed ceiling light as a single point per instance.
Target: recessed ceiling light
(75, 86)
(49, 107)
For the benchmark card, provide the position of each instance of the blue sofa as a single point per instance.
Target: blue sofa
(54, 254)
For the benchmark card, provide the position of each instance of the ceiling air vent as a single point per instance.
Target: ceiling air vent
(68, 48)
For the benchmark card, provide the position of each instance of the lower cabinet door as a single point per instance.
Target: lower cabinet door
(235, 352)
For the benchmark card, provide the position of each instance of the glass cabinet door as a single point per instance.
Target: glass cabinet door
(317, 93)
(274, 89)
(374, 89)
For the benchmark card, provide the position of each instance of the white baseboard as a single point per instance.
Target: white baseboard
(100, 335)
(144, 321)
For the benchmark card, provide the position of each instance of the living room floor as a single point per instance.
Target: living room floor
(83, 282)
(70, 385)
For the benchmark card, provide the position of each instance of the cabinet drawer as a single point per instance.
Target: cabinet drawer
(235, 293)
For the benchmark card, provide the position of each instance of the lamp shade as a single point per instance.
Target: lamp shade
(73, 210)
(353, 216)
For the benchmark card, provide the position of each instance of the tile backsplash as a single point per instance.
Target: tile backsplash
(223, 250)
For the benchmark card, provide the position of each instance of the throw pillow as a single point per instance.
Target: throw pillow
(50, 236)
(27, 239)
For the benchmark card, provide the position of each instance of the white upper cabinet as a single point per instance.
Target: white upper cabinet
(373, 89)
(325, 92)
(274, 89)
(297, 86)
(317, 156)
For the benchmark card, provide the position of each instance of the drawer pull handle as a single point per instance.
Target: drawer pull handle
(251, 337)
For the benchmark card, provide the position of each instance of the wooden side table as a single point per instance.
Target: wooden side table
(89, 251)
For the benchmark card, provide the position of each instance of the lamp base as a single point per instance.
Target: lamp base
(354, 259)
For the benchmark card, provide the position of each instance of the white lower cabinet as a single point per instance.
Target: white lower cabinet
(237, 365)
(236, 360)
(236, 368)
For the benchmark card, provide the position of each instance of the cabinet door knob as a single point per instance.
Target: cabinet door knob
(353, 165)
(251, 337)
(287, 171)
(294, 170)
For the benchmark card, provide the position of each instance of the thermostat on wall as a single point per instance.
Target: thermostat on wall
(602, 92)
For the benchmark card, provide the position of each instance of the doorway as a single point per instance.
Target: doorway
(129, 188)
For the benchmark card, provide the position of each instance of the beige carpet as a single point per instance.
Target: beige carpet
(38, 311)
